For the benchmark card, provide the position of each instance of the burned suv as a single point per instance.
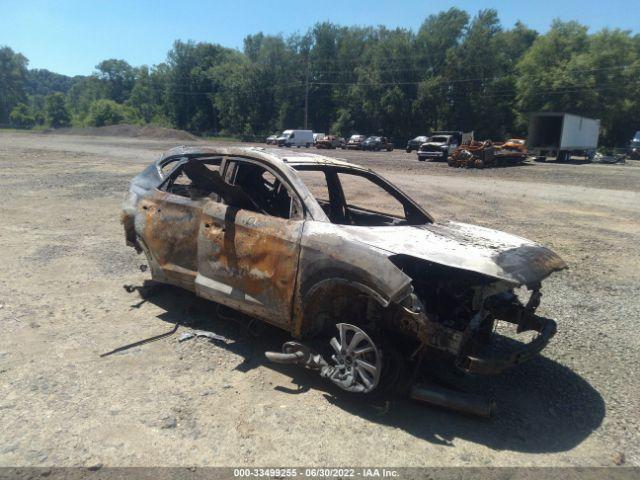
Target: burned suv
(320, 247)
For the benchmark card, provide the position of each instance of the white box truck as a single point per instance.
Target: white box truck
(561, 135)
(295, 138)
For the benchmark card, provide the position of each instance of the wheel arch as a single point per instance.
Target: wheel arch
(330, 283)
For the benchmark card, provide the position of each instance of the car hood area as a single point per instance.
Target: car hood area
(468, 247)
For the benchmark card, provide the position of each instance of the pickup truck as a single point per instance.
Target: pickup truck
(439, 147)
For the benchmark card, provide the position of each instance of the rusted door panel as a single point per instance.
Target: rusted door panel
(169, 228)
(248, 261)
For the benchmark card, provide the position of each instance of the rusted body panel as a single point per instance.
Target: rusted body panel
(439, 283)
(169, 224)
(330, 260)
(487, 154)
(247, 259)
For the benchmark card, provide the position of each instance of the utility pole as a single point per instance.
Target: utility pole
(306, 98)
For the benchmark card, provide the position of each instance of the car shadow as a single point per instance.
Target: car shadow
(543, 406)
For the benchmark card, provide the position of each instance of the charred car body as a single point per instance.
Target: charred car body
(330, 142)
(289, 238)
(512, 145)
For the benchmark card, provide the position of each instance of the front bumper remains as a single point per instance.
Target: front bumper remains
(490, 365)
(431, 154)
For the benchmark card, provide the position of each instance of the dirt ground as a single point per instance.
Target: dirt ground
(64, 263)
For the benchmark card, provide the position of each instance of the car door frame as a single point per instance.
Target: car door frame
(172, 247)
(249, 260)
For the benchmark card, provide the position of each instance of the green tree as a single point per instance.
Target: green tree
(82, 94)
(147, 93)
(22, 117)
(13, 71)
(43, 82)
(56, 112)
(118, 77)
(107, 112)
(238, 97)
(190, 87)
(545, 77)
(479, 76)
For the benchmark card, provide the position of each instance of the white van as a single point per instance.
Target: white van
(296, 138)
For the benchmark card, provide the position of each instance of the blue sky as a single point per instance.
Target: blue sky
(72, 36)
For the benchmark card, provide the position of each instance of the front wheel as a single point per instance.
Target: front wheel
(358, 361)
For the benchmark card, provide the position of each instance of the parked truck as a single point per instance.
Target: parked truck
(295, 138)
(440, 145)
(561, 135)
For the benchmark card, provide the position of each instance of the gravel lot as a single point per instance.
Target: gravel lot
(201, 403)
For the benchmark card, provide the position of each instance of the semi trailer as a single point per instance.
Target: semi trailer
(561, 135)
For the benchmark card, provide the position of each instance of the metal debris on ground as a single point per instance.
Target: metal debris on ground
(202, 333)
(142, 342)
(484, 155)
(601, 158)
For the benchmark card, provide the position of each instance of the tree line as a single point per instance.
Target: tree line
(456, 72)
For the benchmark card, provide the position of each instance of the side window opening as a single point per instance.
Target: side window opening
(167, 167)
(261, 190)
(316, 182)
(364, 197)
(352, 197)
(196, 179)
